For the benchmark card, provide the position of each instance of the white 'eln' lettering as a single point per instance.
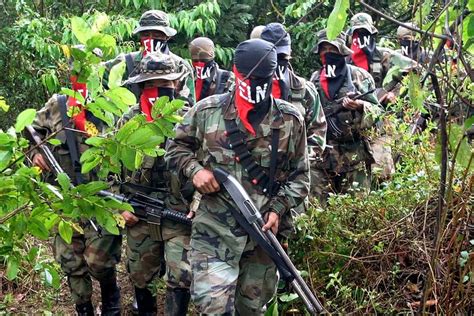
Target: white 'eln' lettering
(331, 71)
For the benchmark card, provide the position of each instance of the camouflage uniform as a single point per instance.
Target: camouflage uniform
(229, 269)
(387, 68)
(87, 254)
(303, 95)
(345, 162)
(159, 21)
(148, 243)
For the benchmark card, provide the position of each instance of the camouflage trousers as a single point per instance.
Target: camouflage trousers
(383, 168)
(220, 287)
(145, 256)
(356, 181)
(87, 255)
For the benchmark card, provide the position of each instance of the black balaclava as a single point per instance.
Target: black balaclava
(410, 48)
(253, 95)
(282, 76)
(334, 74)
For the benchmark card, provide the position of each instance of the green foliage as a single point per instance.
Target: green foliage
(337, 19)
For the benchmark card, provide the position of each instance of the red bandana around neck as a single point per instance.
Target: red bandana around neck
(199, 66)
(147, 99)
(323, 80)
(242, 94)
(359, 57)
(80, 118)
(276, 91)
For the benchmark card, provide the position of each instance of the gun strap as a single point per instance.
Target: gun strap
(262, 242)
(244, 156)
(130, 63)
(70, 139)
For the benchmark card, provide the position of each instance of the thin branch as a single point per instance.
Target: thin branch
(14, 212)
(389, 18)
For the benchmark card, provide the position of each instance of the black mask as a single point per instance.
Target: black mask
(260, 90)
(366, 42)
(169, 92)
(283, 75)
(335, 68)
(410, 48)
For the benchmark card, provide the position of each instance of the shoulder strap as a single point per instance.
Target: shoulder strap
(256, 172)
(70, 139)
(130, 63)
(221, 82)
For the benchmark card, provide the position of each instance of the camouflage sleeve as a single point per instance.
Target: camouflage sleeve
(181, 151)
(293, 192)
(396, 66)
(185, 88)
(364, 83)
(315, 119)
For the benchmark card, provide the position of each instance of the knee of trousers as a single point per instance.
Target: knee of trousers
(178, 267)
(71, 256)
(144, 256)
(213, 284)
(102, 255)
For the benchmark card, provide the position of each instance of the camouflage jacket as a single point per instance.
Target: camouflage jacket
(352, 147)
(305, 97)
(389, 62)
(200, 143)
(151, 179)
(185, 88)
(48, 120)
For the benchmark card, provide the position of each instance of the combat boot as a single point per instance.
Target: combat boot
(110, 293)
(146, 302)
(176, 302)
(85, 309)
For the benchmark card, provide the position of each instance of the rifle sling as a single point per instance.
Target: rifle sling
(70, 139)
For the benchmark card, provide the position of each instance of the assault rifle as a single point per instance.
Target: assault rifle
(250, 219)
(333, 110)
(146, 208)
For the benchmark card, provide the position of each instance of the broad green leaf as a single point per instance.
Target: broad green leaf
(127, 156)
(107, 117)
(126, 130)
(54, 141)
(91, 188)
(337, 19)
(116, 74)
(24, 119)
(65, 231)
(51, 277)
(272, 309)
(117, 205)
(95, 141)
(12, 267)
(3, 104)
(100, 22)
(286, 298)
(103, 41)
(64, 181)
(90, 164)
(37, 228)
(74, 94)
(80, 29)
(5, 157)
(109, 106)
(125, 95)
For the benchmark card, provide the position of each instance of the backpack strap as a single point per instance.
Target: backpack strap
(70, 139)
(130, 63)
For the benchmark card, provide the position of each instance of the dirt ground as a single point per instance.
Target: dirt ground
(29, 297)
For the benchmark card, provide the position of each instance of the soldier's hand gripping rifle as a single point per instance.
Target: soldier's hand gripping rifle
(146, 208)
(250, 219)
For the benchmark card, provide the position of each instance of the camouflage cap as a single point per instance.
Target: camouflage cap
(257, 31)
(156, 66)
(403, 32)
(362, 21)
(202, 49)
(339, 42)
(155, 20)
